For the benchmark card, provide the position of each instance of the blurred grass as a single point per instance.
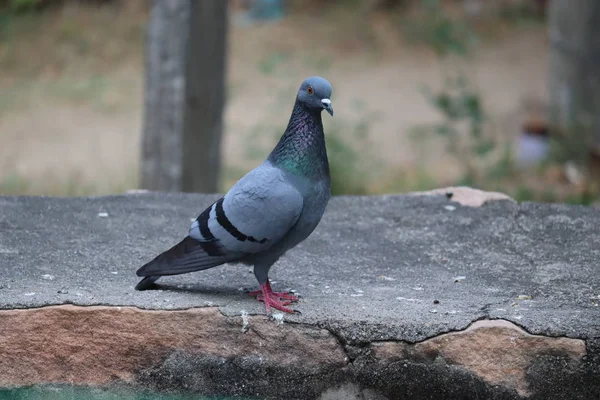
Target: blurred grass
(77, 56)
(71, 31)
(14, 184)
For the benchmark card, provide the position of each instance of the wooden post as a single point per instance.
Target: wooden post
(184, 95)
(574, 31)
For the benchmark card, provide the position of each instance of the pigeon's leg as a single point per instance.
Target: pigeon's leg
(280, 295)
(271, 299)
(266, 294)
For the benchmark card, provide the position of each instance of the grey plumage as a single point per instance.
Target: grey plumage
(267, 212)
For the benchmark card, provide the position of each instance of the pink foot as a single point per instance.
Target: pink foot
(274, 299)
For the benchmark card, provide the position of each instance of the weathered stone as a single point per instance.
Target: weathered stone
(465, 196)
(391, 287)
(97, 345)
(497, 351)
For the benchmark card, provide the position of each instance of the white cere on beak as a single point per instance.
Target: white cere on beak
(327, 102)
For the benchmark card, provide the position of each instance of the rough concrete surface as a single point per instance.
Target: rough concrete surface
(420, 296)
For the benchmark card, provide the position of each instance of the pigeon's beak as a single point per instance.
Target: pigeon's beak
(327, 106)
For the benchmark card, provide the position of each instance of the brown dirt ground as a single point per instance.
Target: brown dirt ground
(71, 92)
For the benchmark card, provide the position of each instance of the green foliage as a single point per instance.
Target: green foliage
(462, 128)
(351, 170)
(11, 9)
(23, 5)
(523, 193)
(13, 184)
(458, 102)
(347, 173)
(269, 64)
(522, 13)
(439, 31)
(572, 142)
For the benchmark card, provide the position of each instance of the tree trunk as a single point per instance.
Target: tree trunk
(574, 28)
(185, 95)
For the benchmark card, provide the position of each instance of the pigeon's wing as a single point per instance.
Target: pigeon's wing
(254, 215)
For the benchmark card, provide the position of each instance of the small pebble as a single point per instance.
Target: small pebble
(436, 302)
(48, 277)
(63, 291)
(103, 215)
(450, 208)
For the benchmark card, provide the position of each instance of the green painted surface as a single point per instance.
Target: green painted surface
(87, 393)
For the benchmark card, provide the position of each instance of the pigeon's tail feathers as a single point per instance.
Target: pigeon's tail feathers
(146, 283)
(186, 256)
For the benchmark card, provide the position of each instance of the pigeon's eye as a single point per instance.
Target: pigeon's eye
(310, 90)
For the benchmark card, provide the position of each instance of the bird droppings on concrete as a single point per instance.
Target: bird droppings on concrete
(48, 277)
(278, 318)
(103, 215)
(245, 322)
(408, 299)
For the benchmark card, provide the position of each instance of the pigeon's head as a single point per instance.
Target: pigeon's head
(315, 93)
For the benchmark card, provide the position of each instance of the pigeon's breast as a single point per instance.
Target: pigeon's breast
(315, 201)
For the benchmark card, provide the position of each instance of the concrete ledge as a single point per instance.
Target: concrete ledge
(403, 297)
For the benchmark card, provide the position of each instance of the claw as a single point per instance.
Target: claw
(277, 300)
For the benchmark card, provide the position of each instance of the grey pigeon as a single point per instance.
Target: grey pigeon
(270, 210)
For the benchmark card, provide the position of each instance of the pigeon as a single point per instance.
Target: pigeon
(268, 211)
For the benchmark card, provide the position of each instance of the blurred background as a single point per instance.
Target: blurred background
(426, 94)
